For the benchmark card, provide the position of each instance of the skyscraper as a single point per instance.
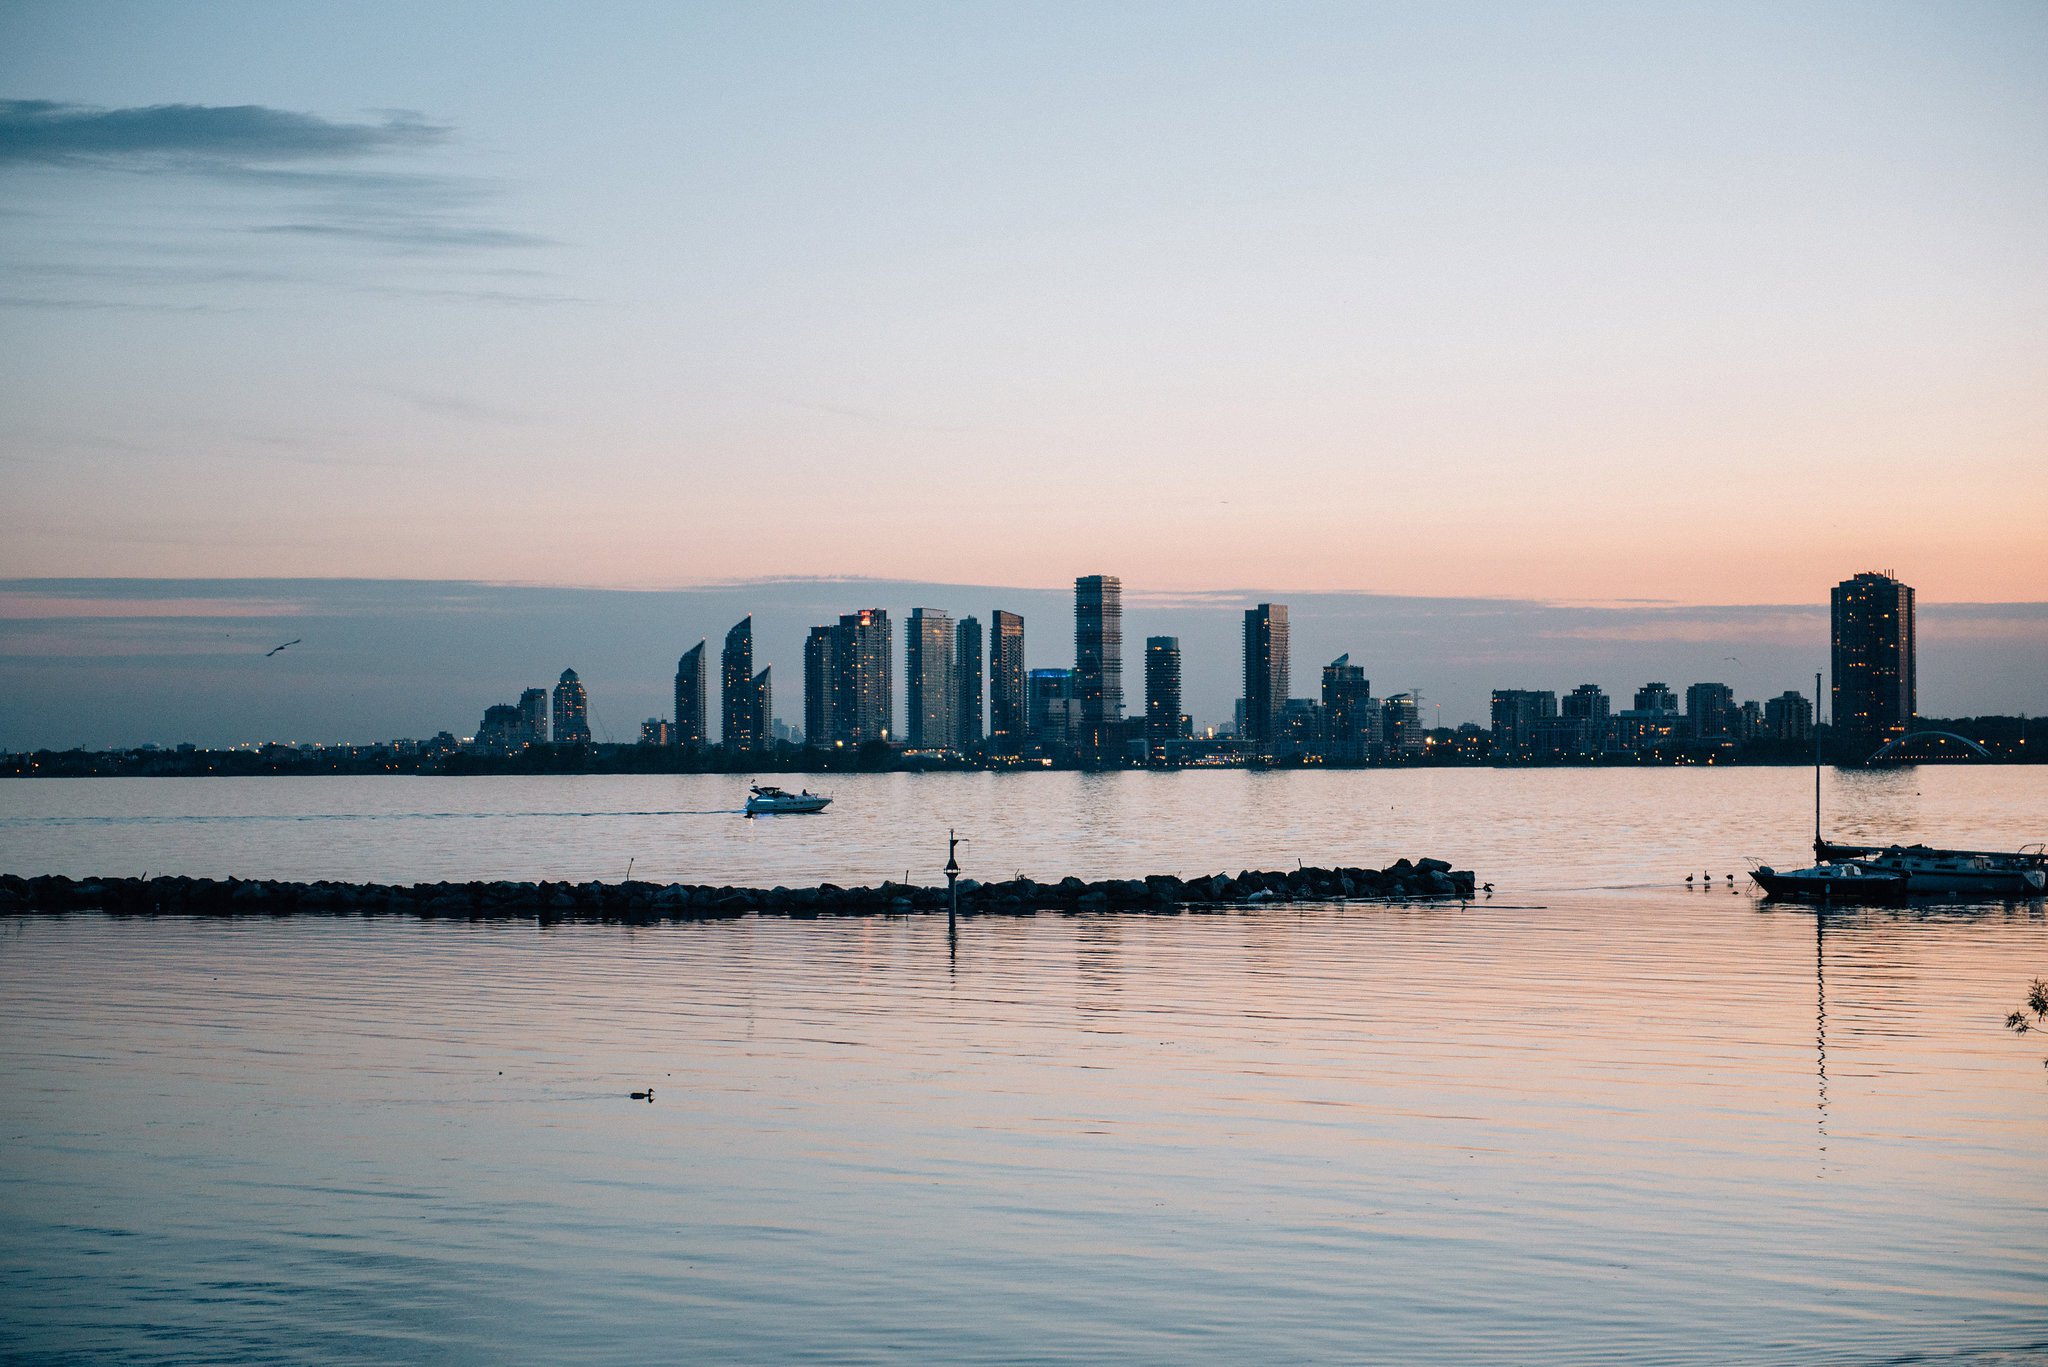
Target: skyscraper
(689, 729)
(1162, 692)
(930, 685)
(1009, 724)
(572, 711)
(967, 673)
(821, 713)
(533, 717)
(741, 728)
(761, 707)
(863, 678)
(1099, 650)
(1266, 677)
(1875, 691)
(1350, 721)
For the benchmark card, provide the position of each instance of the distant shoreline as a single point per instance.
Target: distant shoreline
(340, 761)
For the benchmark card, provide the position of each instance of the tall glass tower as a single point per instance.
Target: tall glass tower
(1266, 672)
(1099, 649)
(1875, 693)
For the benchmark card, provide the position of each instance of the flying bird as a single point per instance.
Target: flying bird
(1731, 657)
(274, 649)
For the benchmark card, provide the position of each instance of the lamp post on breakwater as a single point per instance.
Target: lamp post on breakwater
(952, 886)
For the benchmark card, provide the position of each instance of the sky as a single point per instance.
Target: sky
(1702, 303)
(1584, 307)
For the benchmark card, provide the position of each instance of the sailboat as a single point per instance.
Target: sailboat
(1844, 880)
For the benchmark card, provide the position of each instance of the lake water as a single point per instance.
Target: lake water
(1602, 1117)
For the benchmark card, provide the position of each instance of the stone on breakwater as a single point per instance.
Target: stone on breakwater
(1427, 879)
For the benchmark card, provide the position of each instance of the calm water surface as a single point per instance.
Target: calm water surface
(1603, 1117)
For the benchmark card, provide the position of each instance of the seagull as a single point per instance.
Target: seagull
(274, 649)
(1731, 657)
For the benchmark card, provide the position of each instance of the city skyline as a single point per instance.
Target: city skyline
(1070, 712)
(391, 659)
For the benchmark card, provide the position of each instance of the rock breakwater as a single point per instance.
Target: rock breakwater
(1422, 880)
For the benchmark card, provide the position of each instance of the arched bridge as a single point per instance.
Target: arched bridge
(1900, 747)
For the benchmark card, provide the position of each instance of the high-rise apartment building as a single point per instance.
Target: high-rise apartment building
(1789, 716)
(967, 680)
(1711, 713)
(690, 718)
(1656, 697)
(1162, 693)
(1517, 713)
(863, 678)
(742, 725)
(1055, 708)
(1350, 722)
(761, 707)
(1266, 672)
(572, 711)
(533, 717)
(930, 686)
(1875, 691)
(1009, 718)
(821, 715)
(1099, 650)
(1401, 723)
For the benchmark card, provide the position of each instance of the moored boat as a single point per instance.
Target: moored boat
(2033, 856)
(1931, 872)
(764, 800)
(1848, 883)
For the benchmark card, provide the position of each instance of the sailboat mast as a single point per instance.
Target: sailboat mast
(1817, 842)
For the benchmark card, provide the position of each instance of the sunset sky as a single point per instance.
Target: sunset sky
(1589, 303)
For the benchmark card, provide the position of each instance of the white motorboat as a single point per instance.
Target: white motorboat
(763, 800)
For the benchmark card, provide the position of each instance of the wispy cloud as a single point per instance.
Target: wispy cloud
(340, 188)
(54, 132)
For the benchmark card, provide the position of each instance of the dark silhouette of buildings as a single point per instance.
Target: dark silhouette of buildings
(1009, 717)
(1875, 691)
(1266, 673)
(689, 727)
(967, 696)
(1350, 723)
(1163, 721)
(744, 700)
(931, 687)
(572, 711)
(1099, 651)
